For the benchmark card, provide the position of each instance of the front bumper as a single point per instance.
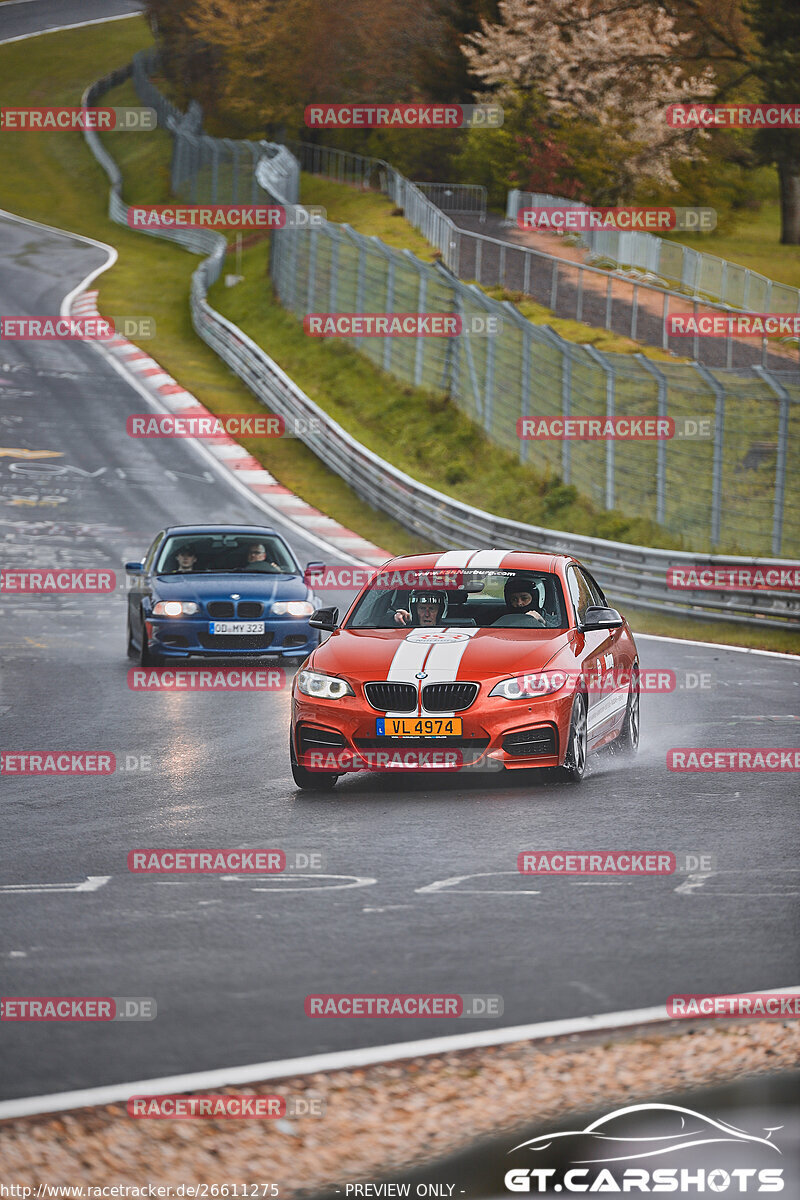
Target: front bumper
(178, 637)
(340, 736)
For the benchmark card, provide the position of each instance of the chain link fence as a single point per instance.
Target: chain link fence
(697, 274)
(725, 487)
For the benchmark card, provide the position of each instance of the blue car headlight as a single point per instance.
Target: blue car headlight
(527, 687)
(175, 608)
(292, 608)
(323, 687)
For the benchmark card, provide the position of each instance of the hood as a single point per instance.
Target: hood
(250, 586)
(474, 654)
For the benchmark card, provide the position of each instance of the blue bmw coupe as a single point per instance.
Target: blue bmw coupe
(219, 591)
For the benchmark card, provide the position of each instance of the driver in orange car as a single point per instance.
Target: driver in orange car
(424, 608)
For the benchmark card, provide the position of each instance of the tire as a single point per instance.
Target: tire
(131, 649)
(311, 781)
(146, 656)
(627, 740)
(574, 767)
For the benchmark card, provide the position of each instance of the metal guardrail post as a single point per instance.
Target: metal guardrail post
(422, 291)
(566, 406)
(780, 464)
(554, 286)
(333, 287)
(661, 449)
(719, 450)
(609, 300)
(610, 406)
(311, 282)
(634, 311)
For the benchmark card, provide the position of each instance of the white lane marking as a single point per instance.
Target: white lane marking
(23, 37)
(441, 885)
(90, 884)
(692, 884)
(342, 1060)
(351, 881)
(131, 380)
(657, 637)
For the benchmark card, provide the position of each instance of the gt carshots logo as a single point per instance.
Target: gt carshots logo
(636, 1125)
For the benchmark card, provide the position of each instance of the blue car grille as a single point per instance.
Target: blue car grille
(245, 610)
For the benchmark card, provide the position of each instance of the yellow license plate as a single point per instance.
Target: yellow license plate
(418, 726)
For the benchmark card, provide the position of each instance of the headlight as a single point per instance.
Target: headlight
(175, 608)
(526, 687)
(326, 687)
(292, 608)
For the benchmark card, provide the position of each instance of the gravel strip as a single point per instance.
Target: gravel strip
(389, 1117)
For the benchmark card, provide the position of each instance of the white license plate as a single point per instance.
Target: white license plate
(237, 628)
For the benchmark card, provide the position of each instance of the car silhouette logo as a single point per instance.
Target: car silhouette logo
(234, 595)
(689, 1128)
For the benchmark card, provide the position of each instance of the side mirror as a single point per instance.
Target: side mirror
(598, 617)
(324, 618)
(312, 570)
(134, 568)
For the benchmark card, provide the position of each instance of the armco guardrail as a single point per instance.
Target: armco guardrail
(697, 274)
(633, 573)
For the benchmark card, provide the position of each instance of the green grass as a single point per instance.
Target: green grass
(755, 243)
(52, 178)
(374, 215)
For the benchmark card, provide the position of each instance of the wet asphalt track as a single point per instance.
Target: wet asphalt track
(230, 960)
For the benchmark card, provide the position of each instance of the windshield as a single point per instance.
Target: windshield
(469, 598)
(229, 553)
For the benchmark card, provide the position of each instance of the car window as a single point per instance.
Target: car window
(148, 558)
(475, 600)
(597, 595)
(228, 553)
(579, 590)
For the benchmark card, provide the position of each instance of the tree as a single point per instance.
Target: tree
(754, 48)
(606, 63)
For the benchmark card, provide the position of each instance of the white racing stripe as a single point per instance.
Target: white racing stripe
(437, 650)
(488, 558)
